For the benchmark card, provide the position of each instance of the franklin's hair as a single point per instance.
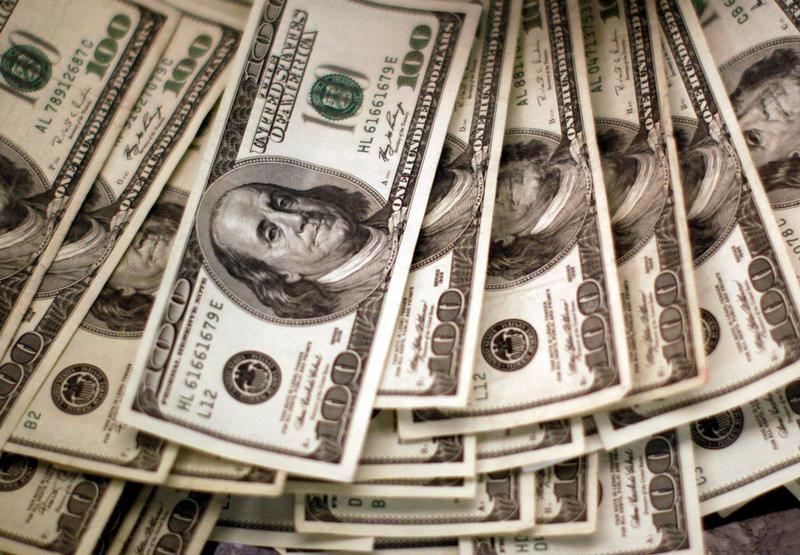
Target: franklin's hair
(618, 160)
(704, 230)
(527, 253)
(783, 63)
(15, 184)
(128, 313)
(299, 299)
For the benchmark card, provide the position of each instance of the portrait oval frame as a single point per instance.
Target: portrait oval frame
(690, 126)
(553, 141)
(631, 134)
(432, 248)
(91, 323)
(731, 72)
(277, 170)
(50, 287)
(39, 181)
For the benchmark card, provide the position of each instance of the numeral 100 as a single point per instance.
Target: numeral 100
(106, 49)
(184, 68)
(414, 58)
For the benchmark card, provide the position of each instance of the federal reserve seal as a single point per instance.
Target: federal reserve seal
(710, 330)
(718, 431)
(79, 389)
(336, 96)
(251, 377)
(15, 471)
(509, 345)
(25, 68)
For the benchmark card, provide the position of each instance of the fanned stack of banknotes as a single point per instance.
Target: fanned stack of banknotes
(403, 276)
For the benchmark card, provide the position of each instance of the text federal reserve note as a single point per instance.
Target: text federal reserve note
(504, 502)
(270, 523)
(757, 53)
(648, 505)
(70, 73)
(72, 418)
(552, 339)
(275, 315)
(433, 350)
(645, 198)
(744, 451)
(47, 509)
(199, 471)
(169, 521)
(747, 289)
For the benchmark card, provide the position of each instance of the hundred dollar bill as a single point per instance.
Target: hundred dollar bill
(747, 450)
(552, 335)
(95, 281)
(725, 513)
(118, 525)
(529, 446)
(293, 253)
(169, 521)
(747, 290)
(70, 73)
(504, 502)
(645, 198)
(567, 498)
(416, 546)
(648, 504)
(757, 52)
(51, 510)
(433, 349)
(270, 523)
(591, 437)
(198, 471)
(794, 488)
(425, 488)
(386, 456)
(86, 387)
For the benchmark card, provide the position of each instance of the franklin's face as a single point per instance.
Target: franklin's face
(770, 119)
(143, 264)
(296, 235)
(517, 206)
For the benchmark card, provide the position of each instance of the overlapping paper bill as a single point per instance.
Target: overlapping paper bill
(434, 276)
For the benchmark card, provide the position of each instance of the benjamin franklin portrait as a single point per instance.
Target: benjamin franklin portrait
(302, 251)
(541, 202)
(125, 301)
(85, 243)
(22, 213)
(711, 188)
(451, 205)
(765, 92)
(635, 189)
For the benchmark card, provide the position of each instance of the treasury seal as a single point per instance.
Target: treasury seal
(336, 96)
(710, 330)
(79, 389)
(251, 377)
(25, 68)
(718, 431)
(509, 345)
(15, 471)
